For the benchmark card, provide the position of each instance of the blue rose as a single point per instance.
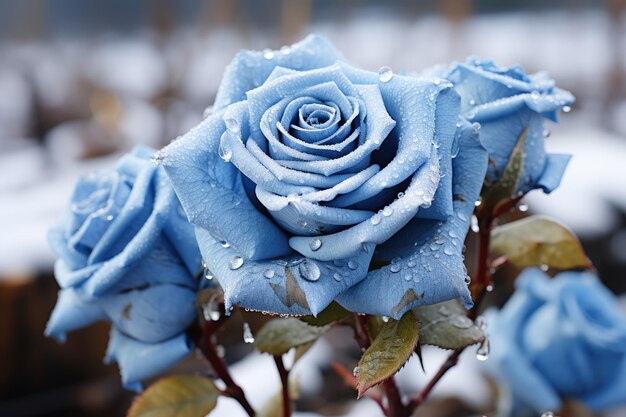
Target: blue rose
(560, 338)
(127, 255)
(506, 101)
(308, 168)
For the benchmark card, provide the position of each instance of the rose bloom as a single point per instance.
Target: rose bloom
(308, 169)
(560, 338)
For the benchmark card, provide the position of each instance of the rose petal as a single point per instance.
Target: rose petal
(284, 290)
(155, 357)
(212, 193)
(250, 69)
(430, 268)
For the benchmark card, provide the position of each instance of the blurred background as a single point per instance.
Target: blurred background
(82, 81)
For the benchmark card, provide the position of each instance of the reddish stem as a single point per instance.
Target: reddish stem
(284, 379)
(423, 394)
(221, 369)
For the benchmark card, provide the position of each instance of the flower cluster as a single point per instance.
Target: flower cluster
(309, 181)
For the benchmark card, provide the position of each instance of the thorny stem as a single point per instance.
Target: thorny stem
(396, 408)
(221, 369)
(284, 379)
(482, 280)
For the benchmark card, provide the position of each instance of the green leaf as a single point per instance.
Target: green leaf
(334, 312)
(538, 240)
(180, 395)
(280, 335)
(389, 351)
(504, 188)
(447, 326)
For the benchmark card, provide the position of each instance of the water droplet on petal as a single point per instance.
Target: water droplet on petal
(474, 224)
(224, 244)
(315, 244)
(248, 337)
(285, 49)
(225, 153)
(544, 267)
(232, 125)
(268, 54)
(387, 211)
(337, 276)
(472, 102)
(523, 208)
(375, 219)
(352, 265)
(109, 217)
(207, 274)
(385, 74)
(395, 268)
(448, 250)
(235, 263)
(385, 319)
(567, 109)
(269, 273)
(468, 280)
(309, 270)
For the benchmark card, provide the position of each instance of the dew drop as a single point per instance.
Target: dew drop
(385, 74)
(448, 250)
(208, 275)
(337, 276)
(352, 265)
(309, 270)
(248, 337)
(489, 287)
(523, 208)
(225, 153)
(412, 263)
(211, 310)
(268, 54)
(472, 102)
(375, 219)
(567, 109)
(224, 244)
(544, 267)
(408, 276)
(395, 268)
(269, 273)
(285, 49)
(232, 125)
(387, 211)
(468, 280)
(315, 244)
(482, 353)
(474, 224)
(109, 217)
(548, 414)
(235, 263)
